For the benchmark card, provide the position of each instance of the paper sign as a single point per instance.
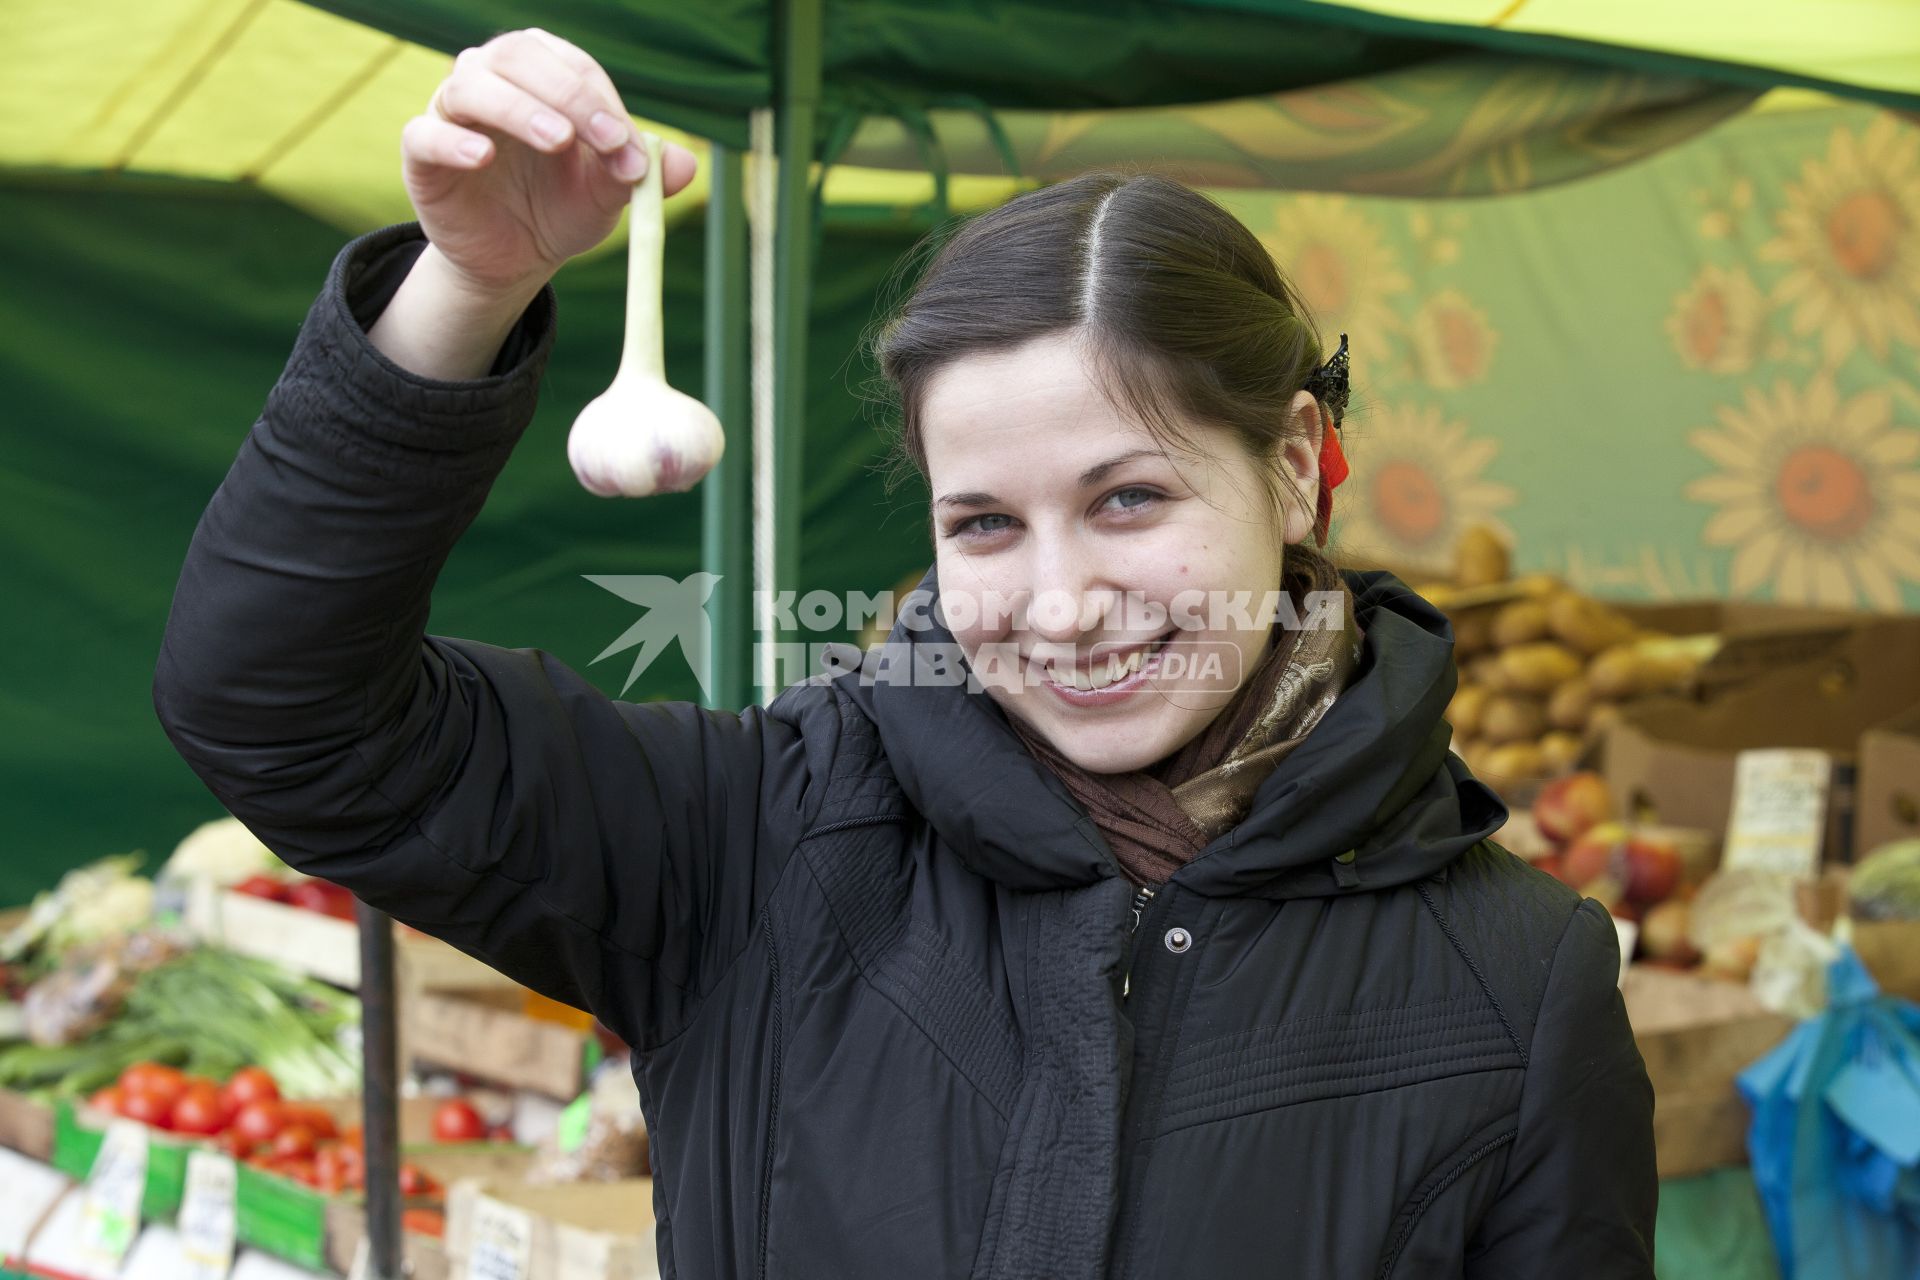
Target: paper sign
(207, 1215)
(502, 1241)
(32, 1189)
(362, 1265)
(1629, 933)
(1779, 811)
(110, 1211)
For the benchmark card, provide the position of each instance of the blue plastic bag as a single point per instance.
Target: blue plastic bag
(1835, 1139)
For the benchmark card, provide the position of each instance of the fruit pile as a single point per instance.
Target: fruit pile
(248, 1119)
(1542, 667)
(1637, 873)
(321, 896)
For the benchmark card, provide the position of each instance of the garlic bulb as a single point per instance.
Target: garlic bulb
(640, 436)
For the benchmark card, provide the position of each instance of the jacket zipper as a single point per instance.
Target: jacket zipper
(1140, 901)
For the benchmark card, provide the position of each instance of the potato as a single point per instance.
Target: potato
(1509, 717)
(1539, 586)
(1521, 622)
(1486, 670)
(1472, 633)
(1539, 668)
(1585, 626)
(1627, 671)
(1603, 717)
(1465, 711)
(1560, 750)
(1480, 558)
(1438, 594)
(1513, 762)
(1569, 705)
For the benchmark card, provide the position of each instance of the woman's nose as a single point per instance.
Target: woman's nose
(1067, 597)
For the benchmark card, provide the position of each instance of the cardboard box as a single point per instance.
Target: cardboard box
(1887, 790)
(583, 1231)
(1671, 760)
(486, 1033)
(1696, 1035)
(323, 947)
(25, 1126)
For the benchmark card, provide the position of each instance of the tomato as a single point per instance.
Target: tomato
(427, 1222)
(110, 1100)
(455, 1120)
(309, 895)
(330, 1168)
(198, 1111)
(415, 1182)
(354, 1137)
(147, 1108)
(233, 1144)
(294, 1141)
(260, 1121)
(262, 887)
(500, 1133)
(316, 1118)
(165, 1084)
(299, 1168)
(251, 1084)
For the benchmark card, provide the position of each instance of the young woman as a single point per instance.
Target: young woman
(1099, 964)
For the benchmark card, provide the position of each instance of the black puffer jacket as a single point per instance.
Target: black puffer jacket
(895, 1016)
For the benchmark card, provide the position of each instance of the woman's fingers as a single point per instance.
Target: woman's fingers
(434, 139)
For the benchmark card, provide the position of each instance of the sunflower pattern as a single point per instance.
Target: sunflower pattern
(1342, 265)
(1452, 340)
(1715, 325)
(1420, 480)
(1817, 495)
(1850, 234)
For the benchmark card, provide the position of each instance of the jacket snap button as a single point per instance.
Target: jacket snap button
(1346, 857)
(1178, 940)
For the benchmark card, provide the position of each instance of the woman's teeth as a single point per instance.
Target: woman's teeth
(1099, 675)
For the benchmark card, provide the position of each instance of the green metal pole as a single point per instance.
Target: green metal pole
(799, 37)
(726, 502)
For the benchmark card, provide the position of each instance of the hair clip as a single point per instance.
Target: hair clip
(1328, 383)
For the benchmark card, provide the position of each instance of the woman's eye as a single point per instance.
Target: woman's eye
(979, 526)
(1132, 498)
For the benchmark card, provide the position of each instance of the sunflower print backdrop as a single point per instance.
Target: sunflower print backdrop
(1693, 376)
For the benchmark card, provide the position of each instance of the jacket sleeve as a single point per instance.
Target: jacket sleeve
(610, 855)
(1579, 1191)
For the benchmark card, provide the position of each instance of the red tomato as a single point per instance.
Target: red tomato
(261, 1121)
(251, 1084)
(354, 1137)
(314, 1117)
(109, 1100)
(415, 1182)
(455, 1120)
(263, 887)
(197, 1111)
(427, 1222)
(299, 1168)
(233, 1144)
(147, 1108)
(151, 1078)
(294, 1142)
(309, 895)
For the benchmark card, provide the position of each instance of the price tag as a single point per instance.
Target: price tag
(502, 1241)
(110, 1210)
(1779, 811)
(208, 1219)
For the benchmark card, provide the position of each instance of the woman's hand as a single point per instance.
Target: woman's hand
(523, 159)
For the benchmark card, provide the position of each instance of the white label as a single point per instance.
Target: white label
(362, 1264)
(32, 1188)
(208, 1219)
(110, 1211)
(502, 1241)
(1779, 811)
(1629, 933)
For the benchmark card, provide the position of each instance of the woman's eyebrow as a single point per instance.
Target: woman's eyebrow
(1091, 476)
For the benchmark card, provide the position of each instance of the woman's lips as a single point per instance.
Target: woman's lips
(1119, 689)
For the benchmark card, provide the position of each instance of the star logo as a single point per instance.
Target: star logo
(676, 609)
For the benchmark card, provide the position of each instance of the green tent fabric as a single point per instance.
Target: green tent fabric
(136, 359)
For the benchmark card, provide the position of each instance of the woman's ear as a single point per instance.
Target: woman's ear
(1299, 462)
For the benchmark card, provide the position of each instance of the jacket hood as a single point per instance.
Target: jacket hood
(1371, 798)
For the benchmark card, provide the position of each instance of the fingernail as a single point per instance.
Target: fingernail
(607, 131)
(631, 164)
(474, 151)
(548, 127)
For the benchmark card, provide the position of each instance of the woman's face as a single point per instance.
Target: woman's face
(1088, 574)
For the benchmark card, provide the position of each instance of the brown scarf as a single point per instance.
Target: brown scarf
(1157, 818)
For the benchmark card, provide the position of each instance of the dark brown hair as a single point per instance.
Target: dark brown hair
(1183, 310)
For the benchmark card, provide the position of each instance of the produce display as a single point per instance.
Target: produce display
(1542, 667)
(1885, 885)
(1637, 873)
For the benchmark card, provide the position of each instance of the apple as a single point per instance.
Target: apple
(1567, 808)
(1663, 933)
(1652, 868)
(1594, 854)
